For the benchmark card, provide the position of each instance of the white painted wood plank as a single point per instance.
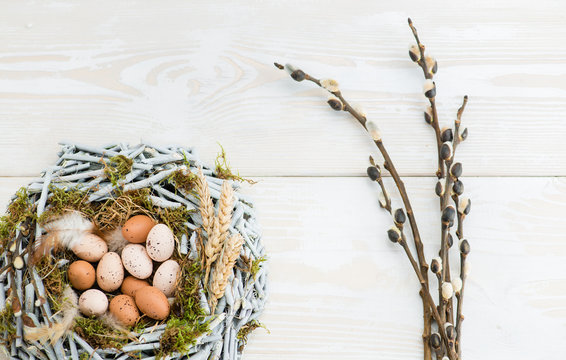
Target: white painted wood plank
(201, 72)
(340, 289)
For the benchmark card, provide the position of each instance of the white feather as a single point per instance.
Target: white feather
(69, 229)
(69, 311)
(115, 240)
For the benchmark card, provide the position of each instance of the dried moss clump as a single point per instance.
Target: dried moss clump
(62, 200)
(7, 325)
(183, 179)
(54, 277)
(117, 168)
(98, 334)
(223, 171)
(246, 330)
(20, 209)
(186, 322)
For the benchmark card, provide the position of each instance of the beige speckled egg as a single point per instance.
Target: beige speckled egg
(91, 248)
(166, 276)
(135, 230)
(136, 261)
(110, 272)
(124, 309)
(160, 243)
(152, 302)
(131, 284)
(93, 302)
(81, 275)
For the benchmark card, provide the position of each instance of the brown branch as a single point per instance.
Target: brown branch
(460, 298)
(428, 74)
(421, 269)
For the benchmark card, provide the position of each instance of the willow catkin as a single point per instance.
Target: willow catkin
(224, 267)
(206, 206)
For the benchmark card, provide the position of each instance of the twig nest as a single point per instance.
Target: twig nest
(106, 186)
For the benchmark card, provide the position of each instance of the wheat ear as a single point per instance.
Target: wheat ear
(212, 248)
(225, 209)
(206, 206)
(224, 267)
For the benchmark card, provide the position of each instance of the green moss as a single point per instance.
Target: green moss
(186, 322)
(247, 329)
(62, 200)
(223, 171)
(54, 277)
(7, 325)
(20, 209)
(183, 179)
(117, 168)
(256, 265)
(98, 334)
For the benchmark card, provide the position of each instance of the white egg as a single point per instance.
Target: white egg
(93, 302)
(160, 243)
(165, 277)
(136, 261)
(91, 248)
(110, 272)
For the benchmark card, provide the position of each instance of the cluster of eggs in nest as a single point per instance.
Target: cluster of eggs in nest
(150, 246)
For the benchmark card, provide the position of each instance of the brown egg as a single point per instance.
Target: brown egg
(152, 302)
(81, 275)
(131, 284)
(135, 230)
(124, 309)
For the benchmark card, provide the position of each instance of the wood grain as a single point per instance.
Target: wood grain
(339, 289)
(201, 72)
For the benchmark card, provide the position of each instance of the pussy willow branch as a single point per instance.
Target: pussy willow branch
(422, 267)
(460, 234)
(428, 74)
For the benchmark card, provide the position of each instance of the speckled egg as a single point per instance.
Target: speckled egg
(81, 275)
(153, 303)
(131, 284)
(93, 302)
(165, 277)
(160, 243)
(124, 309)
(136, 261)
(110, 272)
(135, 230)
(91, 248)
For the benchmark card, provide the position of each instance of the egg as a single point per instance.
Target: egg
(93, 302)
(136, 261)
(90, 248)
(124, 309)
(165, 277)
(131, 284)
(81, 275)
(135, 230)
(110, 272)
(152, 302)
(160, 243)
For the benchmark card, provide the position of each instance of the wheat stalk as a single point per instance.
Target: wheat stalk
(225, 209)
(224, 267)
(206, 206)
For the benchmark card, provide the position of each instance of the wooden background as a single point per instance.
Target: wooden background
(200, 73)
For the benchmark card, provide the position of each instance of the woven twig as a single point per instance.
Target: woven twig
(80, 166)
